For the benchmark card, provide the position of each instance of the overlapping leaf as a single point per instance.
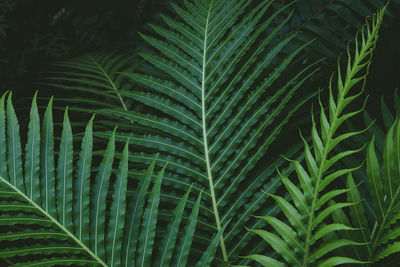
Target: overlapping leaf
(62, 215)
(213, 103)
(305, 239)
(331, 22)
(380, 232)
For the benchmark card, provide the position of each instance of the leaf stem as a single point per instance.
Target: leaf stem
(351, 73)
(53, 220)
(205, 143)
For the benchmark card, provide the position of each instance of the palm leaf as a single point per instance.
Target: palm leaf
(305, 239)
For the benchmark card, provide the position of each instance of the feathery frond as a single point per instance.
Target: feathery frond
(380, 232)
(304, 240)
(331, 23)
(214, 105)
(72, 217)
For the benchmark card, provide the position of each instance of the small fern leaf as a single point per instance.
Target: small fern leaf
(185, 243)
(169, 240)
(208, 255)
(134, 215)
(14, 146)
(32, 149)
(81, 206)
(146, 237)
(47, 183)
(118, 211)
(97, 208)
(307, 237)
(64, 175)
(3, 139)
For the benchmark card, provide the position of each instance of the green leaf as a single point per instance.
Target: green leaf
(99, 197)
(64, 175)
(265, 261)
(169, 241)
(374, 179)
(315, 235)
(284, 230)
(47, 181)
(326, 229)
(216, 99)
(32, 154)
(3, 141)
(330, 246)
(81, 207)
(185, 242)
(338, 260)
(279, 246)
(208, 255)
(134, 216)
(389, 250)
(357, 213)
(116, 221)
(13, 146)
(147, 235)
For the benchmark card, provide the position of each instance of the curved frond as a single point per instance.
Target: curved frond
(210, 99)
(331, 23)
(64, 214)
(305, 239)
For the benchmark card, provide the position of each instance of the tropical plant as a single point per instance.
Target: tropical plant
(71, 217)
(305, 237)
(330, 22)
(215, 88)
(378, 232)
(204, 95)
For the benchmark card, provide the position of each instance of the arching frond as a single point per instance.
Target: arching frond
(55, 212)
(213, 102)
(305, 237)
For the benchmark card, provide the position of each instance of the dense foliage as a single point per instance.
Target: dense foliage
(195, 153)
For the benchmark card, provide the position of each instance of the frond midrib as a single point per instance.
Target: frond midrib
(205, 142)
(340, 106)
(56, 222)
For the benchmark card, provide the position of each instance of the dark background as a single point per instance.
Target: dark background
(36, 33)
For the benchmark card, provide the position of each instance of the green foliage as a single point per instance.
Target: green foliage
(212, 86)
(306, 239)
(380, 234)
(212, 95)
(97, 75)
(332, 23)
(64, 215)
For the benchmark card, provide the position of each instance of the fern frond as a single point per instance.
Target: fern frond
(331, 23)
(97, 75)
(63, 216)
(304, 239)
(210, 100)
(384, 190)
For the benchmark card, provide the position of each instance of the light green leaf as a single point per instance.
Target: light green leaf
(185, 242)
(32, 154)
(47, 181)
(64, 175)
(14, 147)
(116, 221)
(169, 241)
(147, 234)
